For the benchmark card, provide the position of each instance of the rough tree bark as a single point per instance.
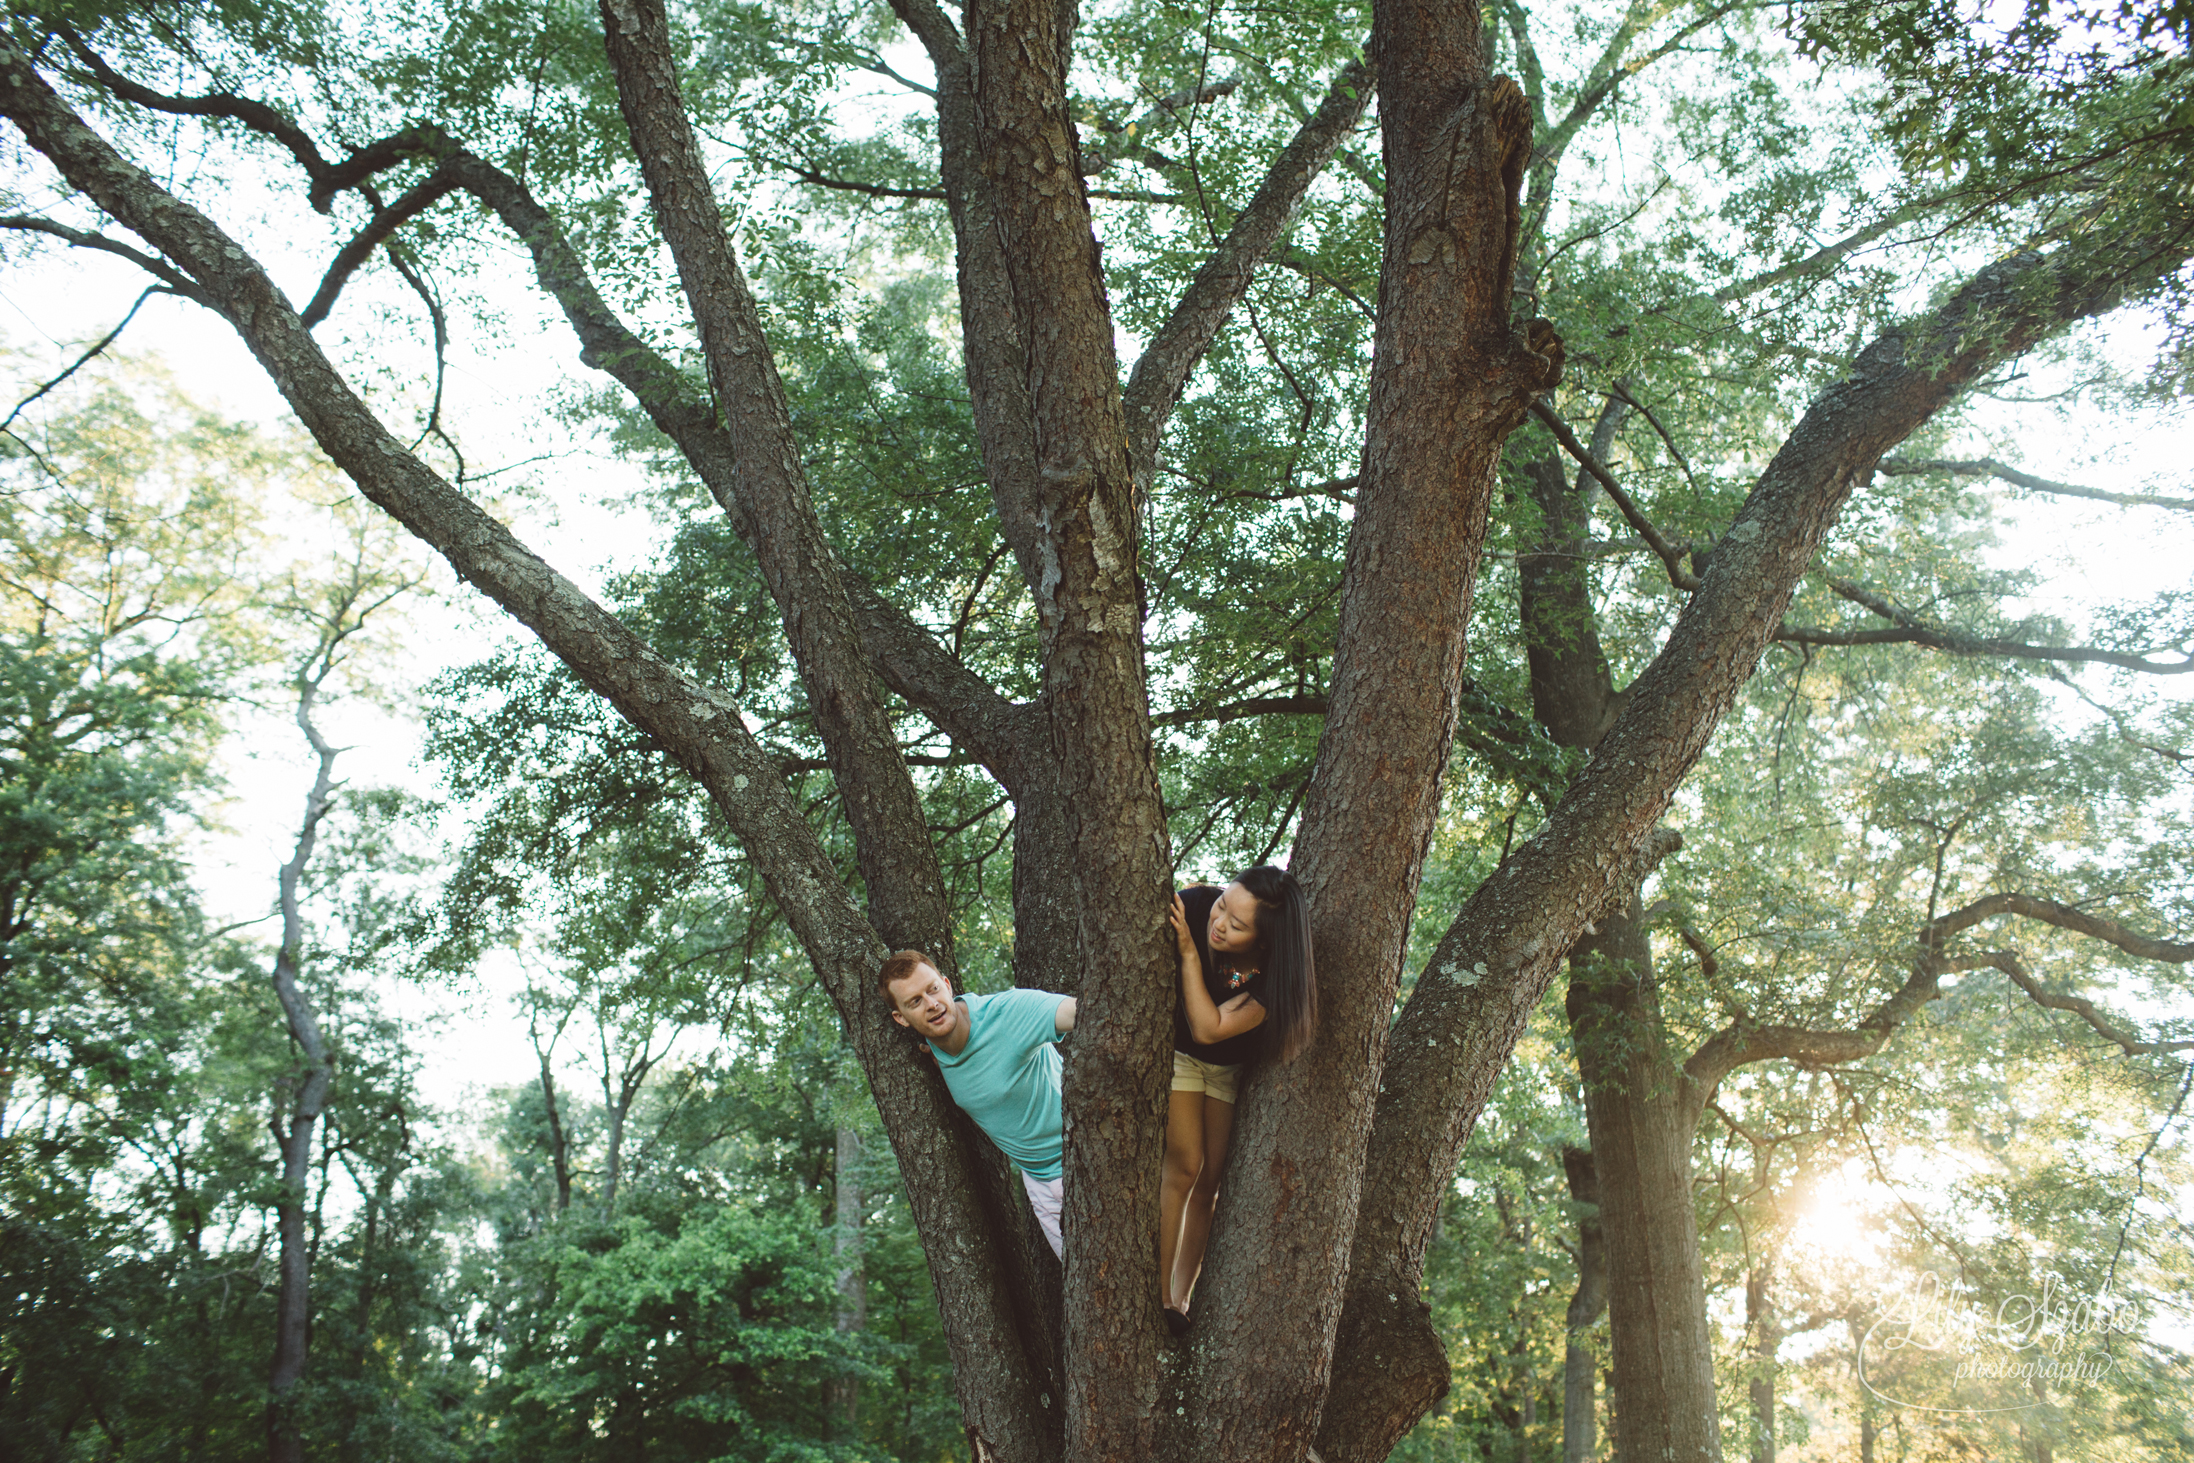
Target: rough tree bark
(1641, 1149)
(622, 1076)
(1451, 376)
(1497, 957)
(1060, 352)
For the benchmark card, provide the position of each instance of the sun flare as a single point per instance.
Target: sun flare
(1832, 1226)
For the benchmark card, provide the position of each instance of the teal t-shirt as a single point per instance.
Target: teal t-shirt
(1007, 1077)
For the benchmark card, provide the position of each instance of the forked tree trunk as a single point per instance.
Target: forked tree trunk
(1451, 376)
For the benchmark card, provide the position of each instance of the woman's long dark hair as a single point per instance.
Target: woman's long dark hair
(1290, 995)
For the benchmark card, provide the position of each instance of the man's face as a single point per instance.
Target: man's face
(923, 1002)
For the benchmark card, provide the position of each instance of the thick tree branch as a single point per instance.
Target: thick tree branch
(422, 140)
(1163, 369)
(1909, 629)
(2126, 1041)
(1990, 467)
(256, 115)
(898, 864)
(1455, 1034)
(1741, 1042)
(849, 185)
(701, 730)
(990, 327)
(1455, 141)
(2066, 917)
(884, 190)
(1236, 710)
(1006, 737)
(960, 703)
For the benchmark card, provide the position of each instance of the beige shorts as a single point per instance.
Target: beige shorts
(1209, 1078)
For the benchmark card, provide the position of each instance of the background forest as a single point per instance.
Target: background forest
(234, 1163)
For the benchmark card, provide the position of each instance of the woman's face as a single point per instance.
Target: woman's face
(1233, 926)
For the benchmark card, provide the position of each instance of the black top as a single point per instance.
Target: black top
(1222, 986)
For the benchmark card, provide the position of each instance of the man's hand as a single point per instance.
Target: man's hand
(1062, 1020)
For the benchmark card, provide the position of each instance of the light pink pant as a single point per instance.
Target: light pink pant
(1045, 1196)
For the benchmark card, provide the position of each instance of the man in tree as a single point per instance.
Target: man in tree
(999, 1062)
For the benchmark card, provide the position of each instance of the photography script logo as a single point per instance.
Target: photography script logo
(2024, 1338)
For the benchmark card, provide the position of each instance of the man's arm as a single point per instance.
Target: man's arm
(1062, 1020)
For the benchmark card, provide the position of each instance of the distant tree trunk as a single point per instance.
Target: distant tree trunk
(1640, 1126)
(852, 1319)
(300, 1097)
(618, 1096)
(1580, 1367)
(1767, 1342)
(1522, 1414)
(559, 1143)
(380, 1196)
(1641, 1149)
(559, 1140)
(1527, 1408)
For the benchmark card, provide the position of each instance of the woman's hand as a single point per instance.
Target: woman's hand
(1177, 916)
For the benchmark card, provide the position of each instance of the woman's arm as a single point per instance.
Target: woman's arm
(1208, 1023)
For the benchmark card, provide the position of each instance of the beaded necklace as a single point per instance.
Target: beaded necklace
(1236, 979)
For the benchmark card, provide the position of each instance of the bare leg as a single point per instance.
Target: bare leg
(1184, 1161)
(1203, 1196)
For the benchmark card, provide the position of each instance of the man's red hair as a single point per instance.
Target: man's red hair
(899, 967)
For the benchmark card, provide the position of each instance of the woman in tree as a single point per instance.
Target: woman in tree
(1248, 989)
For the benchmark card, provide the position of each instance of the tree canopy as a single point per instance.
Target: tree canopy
(1154, 442)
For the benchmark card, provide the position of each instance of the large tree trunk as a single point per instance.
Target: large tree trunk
(1098, 713)
(1451, 377)
(1640, 1129)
